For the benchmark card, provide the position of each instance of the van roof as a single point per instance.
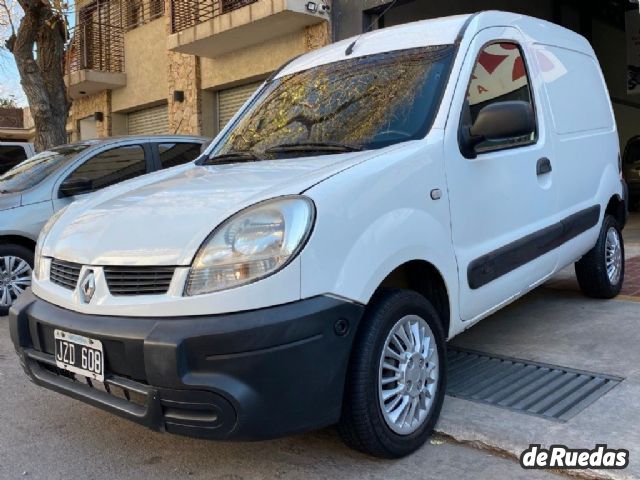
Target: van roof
(438, 31)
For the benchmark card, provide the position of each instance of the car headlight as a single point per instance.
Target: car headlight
(252, 244)
(38, 264)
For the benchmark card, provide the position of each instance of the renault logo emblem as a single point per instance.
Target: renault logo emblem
(88, 286)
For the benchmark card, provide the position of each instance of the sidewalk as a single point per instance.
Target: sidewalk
(557, 325)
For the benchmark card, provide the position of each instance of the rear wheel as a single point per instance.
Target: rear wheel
(396, 382)
(601, 271)
(16, 265)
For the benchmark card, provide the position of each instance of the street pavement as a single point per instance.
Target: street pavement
(47, 436)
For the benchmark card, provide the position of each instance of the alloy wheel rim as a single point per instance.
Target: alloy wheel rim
(408, 375)
(15, 277)
(613, 256)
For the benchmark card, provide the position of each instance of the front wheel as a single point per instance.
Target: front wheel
(16, 265)
(397, 376)
(601, 271)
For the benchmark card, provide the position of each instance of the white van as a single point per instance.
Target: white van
(372, 199)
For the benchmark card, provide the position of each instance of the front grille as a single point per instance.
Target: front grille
(65, 274)
(138, 280)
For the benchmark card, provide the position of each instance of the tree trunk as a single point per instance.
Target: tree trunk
(42, 77)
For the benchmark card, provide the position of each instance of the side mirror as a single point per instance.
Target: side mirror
(76, 186)
(497, 121)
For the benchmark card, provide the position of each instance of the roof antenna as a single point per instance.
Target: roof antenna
(352, 46)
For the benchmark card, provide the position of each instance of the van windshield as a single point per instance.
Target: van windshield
(362, 103)
(31, 172)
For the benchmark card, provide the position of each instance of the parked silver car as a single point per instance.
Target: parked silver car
(31, 192)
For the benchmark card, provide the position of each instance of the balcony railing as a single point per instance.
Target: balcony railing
(141, 12)
(189, 13)
(95, 46)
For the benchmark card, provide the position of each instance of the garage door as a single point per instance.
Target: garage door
(231, 99)
(150, 121)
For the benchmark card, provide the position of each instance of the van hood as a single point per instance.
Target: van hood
(163, 218)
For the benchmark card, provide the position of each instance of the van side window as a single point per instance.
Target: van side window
(499, 75)
(108, 168)
(173, 154)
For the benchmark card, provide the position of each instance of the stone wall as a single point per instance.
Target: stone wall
(87, 107)
(318, 35)
(184, 76)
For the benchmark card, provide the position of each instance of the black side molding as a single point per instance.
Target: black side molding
(505, 259)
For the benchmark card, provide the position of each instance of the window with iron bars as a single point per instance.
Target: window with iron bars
(189, 13)
(126, 14)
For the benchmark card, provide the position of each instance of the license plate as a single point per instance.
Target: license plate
(80, 355)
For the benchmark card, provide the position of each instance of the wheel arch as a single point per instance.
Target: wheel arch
(618, 209)
(424, 278)
(18, 240)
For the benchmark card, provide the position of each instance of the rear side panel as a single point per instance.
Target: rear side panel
(586, 148)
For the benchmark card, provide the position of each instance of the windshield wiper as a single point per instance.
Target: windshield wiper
(313, 147)
(231, 157)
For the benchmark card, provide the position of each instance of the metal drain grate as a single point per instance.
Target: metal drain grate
(548, 391)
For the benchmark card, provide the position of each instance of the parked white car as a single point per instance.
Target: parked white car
(373, 199)
(13, 153)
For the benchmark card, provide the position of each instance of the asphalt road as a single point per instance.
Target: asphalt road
(44, 435)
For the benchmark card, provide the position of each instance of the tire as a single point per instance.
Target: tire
(593, 276)
(20, 256)
(363, 425)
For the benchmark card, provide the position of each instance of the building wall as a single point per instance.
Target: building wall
(145, 64)
(184, 75)
(154, 73)
(87, 107)
(251, 63)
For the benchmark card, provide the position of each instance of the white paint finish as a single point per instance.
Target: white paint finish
(578, 81)
(587, 140)
(376, 217)
(374, 210)
(162, 219)
(505, 186)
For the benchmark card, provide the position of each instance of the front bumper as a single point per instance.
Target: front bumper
(242, 376)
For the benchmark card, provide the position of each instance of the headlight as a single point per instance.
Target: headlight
(252, 244)
(38, 264)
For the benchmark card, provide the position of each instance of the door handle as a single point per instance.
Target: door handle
(543, 166)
